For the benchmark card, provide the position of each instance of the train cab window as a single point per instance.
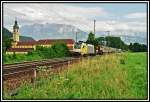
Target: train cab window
(77, 46)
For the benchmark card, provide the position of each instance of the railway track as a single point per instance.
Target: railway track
(15, 74)
(10, 70)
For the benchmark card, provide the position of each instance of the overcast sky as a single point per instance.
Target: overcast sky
(109, 16)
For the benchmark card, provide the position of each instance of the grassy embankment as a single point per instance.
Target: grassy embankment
(115, 76)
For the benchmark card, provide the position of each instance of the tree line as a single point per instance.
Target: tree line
(136, 47)
(115, 42)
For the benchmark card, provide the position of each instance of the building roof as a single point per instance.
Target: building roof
(19, 49)
(26, 43)
(51, 41)
(45, 42)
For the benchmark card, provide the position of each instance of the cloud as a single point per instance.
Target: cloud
(79, 16)
(51, 12)
(136, 15)
(122, 26)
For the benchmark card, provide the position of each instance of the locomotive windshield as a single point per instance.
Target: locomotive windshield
(77, 45)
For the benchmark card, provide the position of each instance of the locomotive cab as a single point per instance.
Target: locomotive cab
(80, 48)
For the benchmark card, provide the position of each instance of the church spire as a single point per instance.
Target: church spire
(16, 31)
(16, 24)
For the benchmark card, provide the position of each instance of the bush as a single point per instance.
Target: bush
(122, 61)
(30, 53)
(5, 57)
(56, 50)
(61, 50)
(14, 55)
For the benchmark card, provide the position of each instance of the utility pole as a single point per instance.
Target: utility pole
(120, 41)
(76, 36)
(108, 32)
(94, 25)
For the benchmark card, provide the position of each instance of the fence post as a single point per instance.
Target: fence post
(68, 62)
(33, 79)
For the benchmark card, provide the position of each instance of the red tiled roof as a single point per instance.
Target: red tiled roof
(45, 41)
(26, 43)
(50, 41)
(19, 49)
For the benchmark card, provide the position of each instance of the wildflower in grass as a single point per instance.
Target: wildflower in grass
(66, 79)
(61, 77)
(58, 83)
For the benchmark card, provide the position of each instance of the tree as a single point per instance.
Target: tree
(112, 41)
(101, 40)
(7, 39)
(115, 42)
(6, 43)
(136, 47)
(91, 38)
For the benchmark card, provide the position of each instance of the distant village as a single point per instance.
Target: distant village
(23, 47)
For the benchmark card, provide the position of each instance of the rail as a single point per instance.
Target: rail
(13, 69)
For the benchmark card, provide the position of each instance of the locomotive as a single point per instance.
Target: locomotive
(84, 49)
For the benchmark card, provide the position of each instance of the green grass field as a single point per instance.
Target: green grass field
(114, 76)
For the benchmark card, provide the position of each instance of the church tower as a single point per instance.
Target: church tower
(16, 32)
